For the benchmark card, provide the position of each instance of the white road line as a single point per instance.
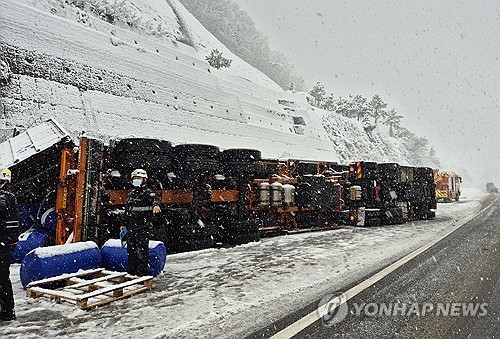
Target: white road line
(314, 316)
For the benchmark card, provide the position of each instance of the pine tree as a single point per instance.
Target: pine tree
(360, 109)
(393, 120)
(317, 95)
(378, 108)
(329, 103)
(216, 60)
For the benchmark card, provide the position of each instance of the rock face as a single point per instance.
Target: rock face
(108, 81)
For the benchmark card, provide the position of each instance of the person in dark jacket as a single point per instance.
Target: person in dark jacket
(142, 204)
(9, 233)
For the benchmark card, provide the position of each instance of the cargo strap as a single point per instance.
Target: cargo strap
(141, 209)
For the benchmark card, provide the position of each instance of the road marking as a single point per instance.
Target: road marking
(314, 316)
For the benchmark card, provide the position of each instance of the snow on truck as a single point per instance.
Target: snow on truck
(72, 191)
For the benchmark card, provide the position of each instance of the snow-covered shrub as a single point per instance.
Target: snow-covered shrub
(5, 72)
(216, 60)
(108, 10)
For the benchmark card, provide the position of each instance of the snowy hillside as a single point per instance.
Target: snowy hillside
(113, 68)
(376, 146)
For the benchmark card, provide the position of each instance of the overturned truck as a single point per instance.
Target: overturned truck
(72, 191)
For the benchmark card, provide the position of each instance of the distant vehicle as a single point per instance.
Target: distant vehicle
(447, 186)
(490, 187)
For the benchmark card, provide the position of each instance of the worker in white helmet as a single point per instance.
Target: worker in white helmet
(142, 204)
(9, 233)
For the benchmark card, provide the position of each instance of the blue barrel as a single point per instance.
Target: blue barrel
(48, 262)
(36, 215)
(48, 217)
(27, 216)
(114, 256)
(30, 240)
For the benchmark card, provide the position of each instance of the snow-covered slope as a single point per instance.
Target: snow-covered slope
(136, 68)
(107, 81)
(204, 42)
(377, 146)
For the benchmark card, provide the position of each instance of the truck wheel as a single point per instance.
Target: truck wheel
(241, 155)
(196, 158)
(241, 161)
(242, 168)
(183, 238)
(143, 145)
(197, 151)
(241, 232)
(144, 160)
(150, 154)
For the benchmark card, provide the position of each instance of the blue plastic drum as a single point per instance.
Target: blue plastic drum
(27, 216)
(114, 256)
(30, 240)
(48, 262)
(37, 216)
(48, 218)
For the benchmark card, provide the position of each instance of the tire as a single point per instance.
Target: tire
(147, 161)
(195, 158)
(151, 154)
(241, 155)
(238, 233)
(242, 168)
(143, 145)
(245, 239)
(185, 238)
(191, 166)
(237, 161)
(197, 151)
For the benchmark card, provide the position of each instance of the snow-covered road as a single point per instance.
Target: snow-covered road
(231, 292)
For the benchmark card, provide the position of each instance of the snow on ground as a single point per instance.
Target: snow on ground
(231, 292)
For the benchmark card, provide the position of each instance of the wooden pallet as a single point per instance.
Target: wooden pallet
(91, 288)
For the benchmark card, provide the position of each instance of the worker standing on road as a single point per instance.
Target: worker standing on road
(9, 233)
(142, 204)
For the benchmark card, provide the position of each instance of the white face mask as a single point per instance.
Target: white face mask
(137, 182)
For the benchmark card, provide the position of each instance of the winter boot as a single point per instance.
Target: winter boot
(7, 315)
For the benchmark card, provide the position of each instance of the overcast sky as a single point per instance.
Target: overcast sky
(436, 62)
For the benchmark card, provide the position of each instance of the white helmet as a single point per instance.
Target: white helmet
(6, 174)
(139, 173)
